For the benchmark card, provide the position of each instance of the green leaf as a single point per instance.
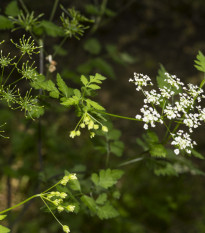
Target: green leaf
(200, 62)
(197, 154)
(77, 93)
(94, 86)
(4, 229)
(94, 104)
(63, 87)
(127, 58)
(103, 66)
(5, 23)
(51, 29)
(2, 217)
(84, 80)
(12, 9)
(117, 148)
(167, 170)
(158, 150)
(107, 178)
(93, 46)
(102, 198)
(49, 86)
(89, 202)
(107, 211)
(75, 185)
(71, 101)
(114, 134)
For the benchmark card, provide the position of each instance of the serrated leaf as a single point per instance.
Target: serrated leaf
(94, 104)
(107, 178)
(2, 217)
(107, 211)
(84, 80)
(70, 101)
(200, 62)
(4, 229)
(168, 170)
(51, 29)
(77, 93)
(102, 198)
(89, 202)
(12, 9)
(94, 86)
(63, 87)
(158, 150)
(117, 148)
(5, 23)
(92, 45)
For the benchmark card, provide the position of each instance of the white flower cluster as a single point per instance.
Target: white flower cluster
(183, 142)
(140, 81)
(178, 103)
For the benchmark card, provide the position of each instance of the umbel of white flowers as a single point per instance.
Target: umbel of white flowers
(160, 107)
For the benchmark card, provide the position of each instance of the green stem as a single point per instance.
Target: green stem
(16, 81)
(42, 198)
(24, 6)
(53, 10)
(12, 70)
(2, 74)
(60, 45)
(21, 203)
(118, 116)
(51, 187)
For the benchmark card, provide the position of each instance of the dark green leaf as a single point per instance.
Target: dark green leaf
(51, 29)
(117, 148)
(107, 178)
(101, 199)
(89, 202)
(107, 211)
(12, 9)
(5, 23)
(63, 87)
(93, 46)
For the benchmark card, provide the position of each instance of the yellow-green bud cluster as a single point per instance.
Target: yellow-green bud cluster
(66, 229)
(91, 123)
(67, 178)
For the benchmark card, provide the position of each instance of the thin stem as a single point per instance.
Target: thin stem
(53, 10)
(51, 187)
(59, 46)
(12, 70)
(42, 198)
(122, 117)
(16, 81)
(2, 74)
(21, 203)
(24, 6)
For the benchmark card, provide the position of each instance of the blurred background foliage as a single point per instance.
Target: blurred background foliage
(127, 36)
